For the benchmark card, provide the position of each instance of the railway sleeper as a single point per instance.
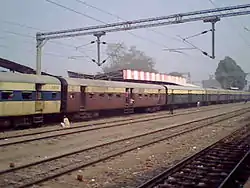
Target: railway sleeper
(210, 167)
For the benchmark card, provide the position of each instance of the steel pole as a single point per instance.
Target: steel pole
(98, 41)
(98, 50)
(38, 57)
(213, 40)
(212, 20)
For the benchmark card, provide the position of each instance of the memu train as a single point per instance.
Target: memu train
(27, 99)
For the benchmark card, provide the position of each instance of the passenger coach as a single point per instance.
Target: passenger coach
(25, 98)
(88, 98)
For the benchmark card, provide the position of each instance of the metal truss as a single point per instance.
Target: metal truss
(209, 15)
(150, 22)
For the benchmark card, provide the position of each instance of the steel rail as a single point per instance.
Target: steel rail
(230, 179)
(37, 180)
(162, 177)
(189, 111)
(87, 129)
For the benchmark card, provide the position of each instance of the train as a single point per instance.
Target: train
(28, 99)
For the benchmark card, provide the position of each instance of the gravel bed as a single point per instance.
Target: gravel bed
(131, 169)
(104, 121)
(33, 151)
(78, 129)
(51, 167)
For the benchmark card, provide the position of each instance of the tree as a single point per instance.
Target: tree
(121, 57)
(229, 74)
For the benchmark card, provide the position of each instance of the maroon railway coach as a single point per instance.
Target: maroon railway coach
(88, 98)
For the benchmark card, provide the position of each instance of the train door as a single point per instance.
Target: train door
(170, 96)
(129, 96)
(159, 97)
(129, 101)
(39, 104)
(190, 97)
(82, 97)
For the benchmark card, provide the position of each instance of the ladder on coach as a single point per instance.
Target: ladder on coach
(128, 109)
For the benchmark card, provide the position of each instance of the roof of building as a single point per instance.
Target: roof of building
(132, 76)
(13, 66)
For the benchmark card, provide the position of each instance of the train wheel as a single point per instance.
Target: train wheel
(5, 124)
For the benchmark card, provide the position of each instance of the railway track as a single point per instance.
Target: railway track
(219, 165)
(31, 132)
(40, 171)
(29, 137)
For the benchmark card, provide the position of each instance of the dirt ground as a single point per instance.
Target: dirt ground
(38, 150)
(133, 168)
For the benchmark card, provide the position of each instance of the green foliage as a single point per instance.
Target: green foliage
(121, 57)
(229, 74)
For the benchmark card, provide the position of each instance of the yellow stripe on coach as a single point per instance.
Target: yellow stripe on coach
(17, 86)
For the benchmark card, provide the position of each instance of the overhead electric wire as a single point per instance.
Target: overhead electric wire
(191, 44)
(37, 29)
(85, 15)
(244, 40)
(21, 25)
(30, 36)
(83, 45)
(116, 16)
(45, 53)
(198, 34)
(70, 9)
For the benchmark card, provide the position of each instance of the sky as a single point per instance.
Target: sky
(20, 20)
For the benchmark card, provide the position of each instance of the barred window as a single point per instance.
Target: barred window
(7, 95)
(27, 95)
(54, 95)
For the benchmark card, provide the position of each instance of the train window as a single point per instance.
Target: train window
(110, 94)
(27, 95)
(101, 94)
(146, 95)
(118, 95)
(7, 95)
(54, 94)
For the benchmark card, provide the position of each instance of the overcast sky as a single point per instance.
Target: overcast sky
(17, 42)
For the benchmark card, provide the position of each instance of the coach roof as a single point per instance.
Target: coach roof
(27, 78)
(176, 87)
(104, 83)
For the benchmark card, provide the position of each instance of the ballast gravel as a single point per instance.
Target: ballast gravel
(38, 150)
(131, 169)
